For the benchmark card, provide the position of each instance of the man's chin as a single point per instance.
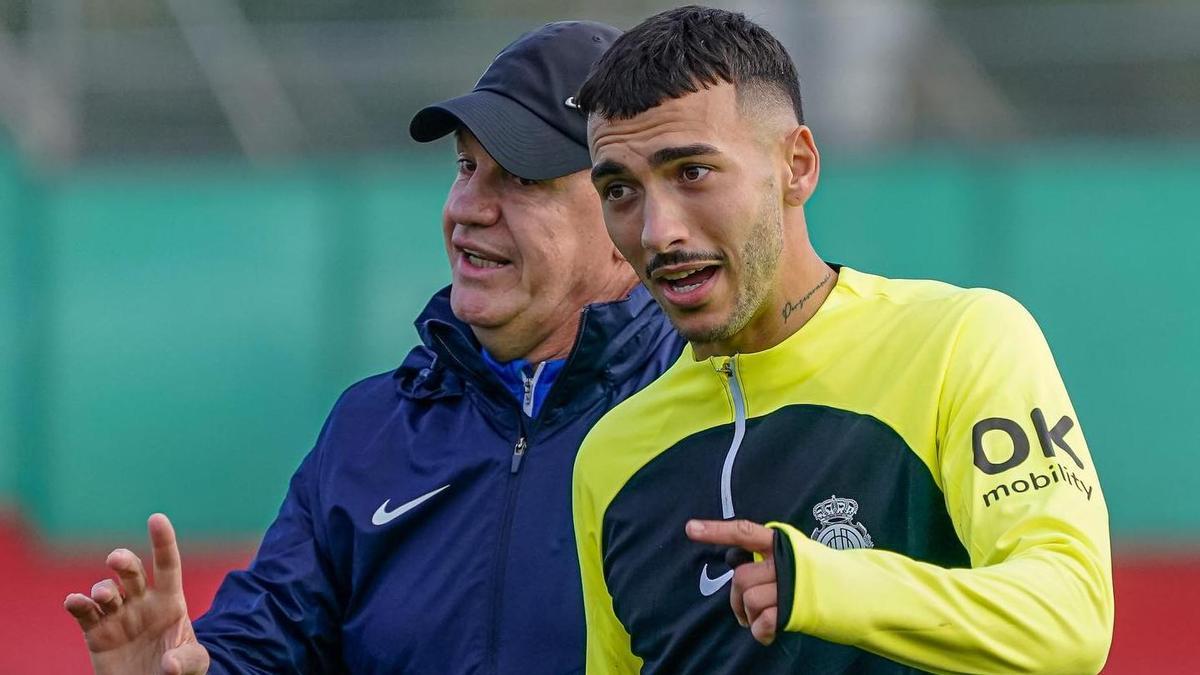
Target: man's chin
(698, 328)
(480, 310)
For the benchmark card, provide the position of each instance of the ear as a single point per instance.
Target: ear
(803, 166)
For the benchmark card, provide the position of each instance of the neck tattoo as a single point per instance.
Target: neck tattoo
(791, 307)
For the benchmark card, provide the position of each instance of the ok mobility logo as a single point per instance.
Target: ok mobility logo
(1048, 437)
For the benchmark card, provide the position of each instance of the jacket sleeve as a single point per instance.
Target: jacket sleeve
(608, 643)
(282, 614)
(1022, 491)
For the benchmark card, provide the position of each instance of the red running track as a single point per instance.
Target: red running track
(1158, 606)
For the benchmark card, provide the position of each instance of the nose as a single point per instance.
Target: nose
(663, 225)
(473, 202)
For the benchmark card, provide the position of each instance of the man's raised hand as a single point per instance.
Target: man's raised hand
(133, 626)
(754, 593)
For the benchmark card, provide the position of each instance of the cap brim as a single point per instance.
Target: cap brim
(515, 137)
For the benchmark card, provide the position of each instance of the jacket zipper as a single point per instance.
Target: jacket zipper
(729, 369)
(528, 385)
(519, 449)
(518, 454)
(510, 500)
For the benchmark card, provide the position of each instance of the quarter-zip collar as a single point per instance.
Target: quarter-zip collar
(616, 339)
(527, 382)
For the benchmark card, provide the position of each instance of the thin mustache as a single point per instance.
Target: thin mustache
(679, 258)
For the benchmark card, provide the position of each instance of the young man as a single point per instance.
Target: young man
(929, 499)
(429, 530)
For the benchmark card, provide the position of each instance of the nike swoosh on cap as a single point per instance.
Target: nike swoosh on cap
(709, 586)
(383, 516)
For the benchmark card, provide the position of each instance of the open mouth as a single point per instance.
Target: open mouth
(483, 261)
(687, 287)
(688, 280)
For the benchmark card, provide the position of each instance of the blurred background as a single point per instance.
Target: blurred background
(212, 221)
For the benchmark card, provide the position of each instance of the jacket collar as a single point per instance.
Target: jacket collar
(606, 351)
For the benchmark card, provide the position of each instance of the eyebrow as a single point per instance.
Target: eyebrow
(666, 155)
(607, 168)
(657, 159)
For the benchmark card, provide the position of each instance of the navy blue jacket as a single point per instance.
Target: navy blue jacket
(480, 577)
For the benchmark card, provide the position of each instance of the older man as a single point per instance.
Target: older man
(429, 530)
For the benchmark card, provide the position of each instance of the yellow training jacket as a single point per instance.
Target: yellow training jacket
(914, 448)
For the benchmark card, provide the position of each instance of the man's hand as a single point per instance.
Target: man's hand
(754, 592)
(133, 627)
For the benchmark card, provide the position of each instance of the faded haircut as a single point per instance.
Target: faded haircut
(683, 50)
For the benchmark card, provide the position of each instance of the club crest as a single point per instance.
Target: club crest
(837, 528)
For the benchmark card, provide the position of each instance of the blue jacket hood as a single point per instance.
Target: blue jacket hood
(609, 334)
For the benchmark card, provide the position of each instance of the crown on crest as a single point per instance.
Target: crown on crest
(835, 509)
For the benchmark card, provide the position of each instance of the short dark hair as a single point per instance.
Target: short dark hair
(680, 51)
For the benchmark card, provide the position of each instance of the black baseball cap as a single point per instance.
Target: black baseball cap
(523, 108)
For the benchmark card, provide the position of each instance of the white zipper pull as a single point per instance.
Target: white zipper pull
(529, 384)
(518, 453)
(527, 402)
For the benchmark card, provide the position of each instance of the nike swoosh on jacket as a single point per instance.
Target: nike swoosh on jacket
(479, 578)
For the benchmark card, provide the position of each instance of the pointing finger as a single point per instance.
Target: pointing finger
(168, 576)
(748, 535)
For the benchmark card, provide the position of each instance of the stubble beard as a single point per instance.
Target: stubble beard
(760, 254)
